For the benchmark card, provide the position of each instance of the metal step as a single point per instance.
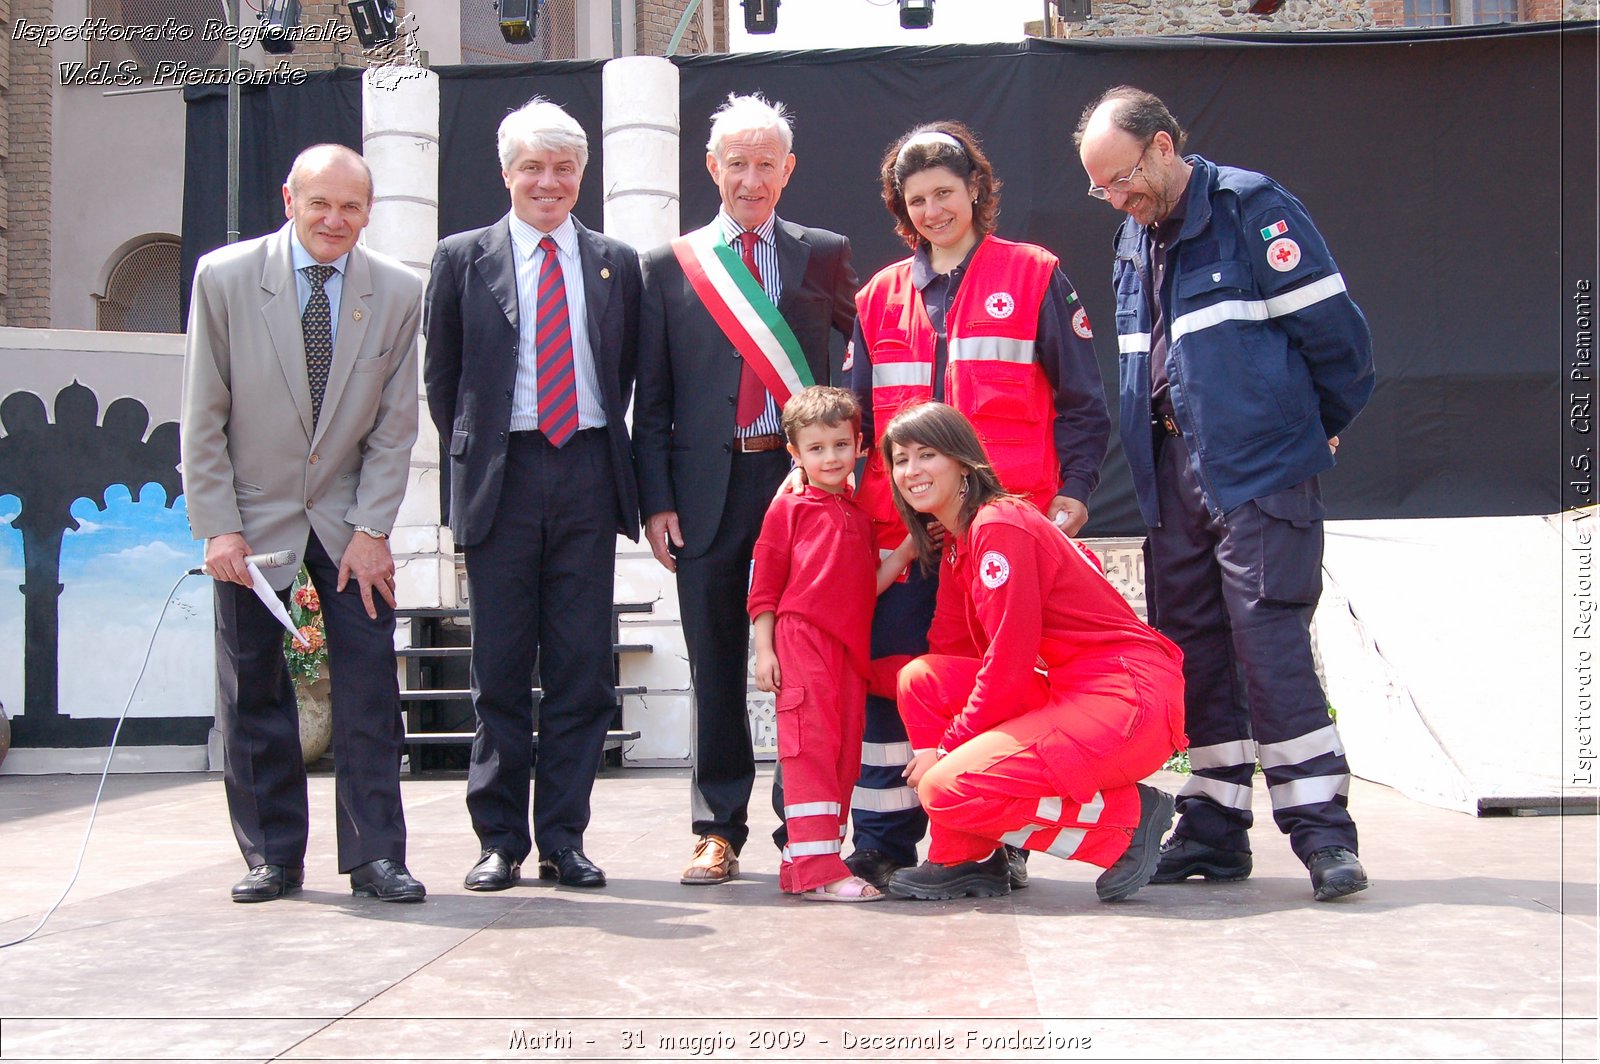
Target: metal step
(448, 694)
(465, 738)
(466, 652)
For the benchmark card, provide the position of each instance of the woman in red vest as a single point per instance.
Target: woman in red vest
(994, 328)
(1040, 738)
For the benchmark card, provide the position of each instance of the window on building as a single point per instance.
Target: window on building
(142, 294)
(1460, 12)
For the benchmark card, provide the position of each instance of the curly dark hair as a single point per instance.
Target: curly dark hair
(917, 151)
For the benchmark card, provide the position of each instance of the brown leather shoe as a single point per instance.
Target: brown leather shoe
(713, 862)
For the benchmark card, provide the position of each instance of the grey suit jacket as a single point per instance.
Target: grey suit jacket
(252, 461)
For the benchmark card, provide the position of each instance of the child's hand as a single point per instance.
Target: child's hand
(767, 674)
(920, 763)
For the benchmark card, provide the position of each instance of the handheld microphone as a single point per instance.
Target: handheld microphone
(274, 560)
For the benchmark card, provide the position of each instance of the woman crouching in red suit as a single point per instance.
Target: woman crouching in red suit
(1040, 742)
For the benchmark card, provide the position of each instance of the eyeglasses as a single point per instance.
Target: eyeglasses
(1121, 184)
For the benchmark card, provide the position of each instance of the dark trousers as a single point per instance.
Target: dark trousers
(263, 772)
(1237, 593)
(885, 814)
(713, 589)
(539, 594)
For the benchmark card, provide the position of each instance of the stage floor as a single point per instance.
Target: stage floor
(1476, 941)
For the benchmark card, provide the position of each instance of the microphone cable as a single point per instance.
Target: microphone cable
(111, 753)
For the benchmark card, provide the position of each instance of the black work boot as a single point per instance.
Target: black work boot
(928, 881)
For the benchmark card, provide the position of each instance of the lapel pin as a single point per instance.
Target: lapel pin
(605, 273)
(355, 315)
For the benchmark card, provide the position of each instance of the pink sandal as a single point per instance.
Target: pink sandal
(852, 889)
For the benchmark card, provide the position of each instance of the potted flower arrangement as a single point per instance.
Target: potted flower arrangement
(308, 667)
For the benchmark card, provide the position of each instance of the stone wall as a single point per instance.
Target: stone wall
(27, 85)
(1143, 18)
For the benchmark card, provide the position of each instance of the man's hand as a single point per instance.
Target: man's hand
(1068, 514)
(657, 530)
(225, 558)
(793, 484)
(919, 764)
(1333, 445)
(369, 561)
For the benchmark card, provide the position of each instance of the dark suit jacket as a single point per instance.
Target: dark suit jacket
(471, 367)
(689, 372)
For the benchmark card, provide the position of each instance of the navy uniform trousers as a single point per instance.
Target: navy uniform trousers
(1237, 594)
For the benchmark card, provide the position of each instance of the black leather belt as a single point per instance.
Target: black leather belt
(1165, 424)
(772, 441)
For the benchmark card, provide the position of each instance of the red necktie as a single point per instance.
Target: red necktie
(752, 393)
(554, 376)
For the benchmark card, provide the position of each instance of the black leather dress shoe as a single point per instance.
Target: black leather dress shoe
(1183, 857)
(386, 880)
(874, 866)
(1335, 872)
(1017, 866)
(495, 870)
(1138, 862)
(265, 882)
(572, 868)
(988, 878)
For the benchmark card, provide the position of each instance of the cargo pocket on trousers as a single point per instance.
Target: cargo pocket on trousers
(1291, 545)
(791, 699)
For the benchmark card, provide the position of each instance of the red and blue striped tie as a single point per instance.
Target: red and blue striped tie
(556, 378)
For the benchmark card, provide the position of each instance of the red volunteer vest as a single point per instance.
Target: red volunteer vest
(993, 375)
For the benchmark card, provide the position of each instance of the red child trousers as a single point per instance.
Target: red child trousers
(821, 709)
(1059, 778)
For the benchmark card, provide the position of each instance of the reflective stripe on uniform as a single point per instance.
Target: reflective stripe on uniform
(990, 349)
(902, 374)
(1301, 748)
(1019, 838)
(1257, 309)
(1050, 810)
(1066, 843)
(1313, 790)
(810, 849)
(887, 800)
(1134, 343)
(1223, 755)
(811, 809)
(1089, 812)
(884, 755)
(1232, 795)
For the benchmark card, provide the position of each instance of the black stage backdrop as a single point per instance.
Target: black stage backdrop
(1452, 173)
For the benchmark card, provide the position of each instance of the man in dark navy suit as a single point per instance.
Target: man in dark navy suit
(532, 325)
(711, 454)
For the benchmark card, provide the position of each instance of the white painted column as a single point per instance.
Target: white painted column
(641, 182)
(400, 139)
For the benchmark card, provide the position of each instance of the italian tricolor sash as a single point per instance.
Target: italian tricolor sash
(744, 312)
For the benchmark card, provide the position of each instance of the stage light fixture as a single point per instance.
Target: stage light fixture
(1073, 10)
(916, 14)
(760, 16)
(374, 22)
(519, 20)
(278, 19)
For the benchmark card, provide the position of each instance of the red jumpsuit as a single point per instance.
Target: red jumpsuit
(816, 567)
(1072, 701)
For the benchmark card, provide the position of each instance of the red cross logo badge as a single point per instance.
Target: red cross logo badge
(1080, 324)
(993, 569)
(1283, 255)
(1000, 305)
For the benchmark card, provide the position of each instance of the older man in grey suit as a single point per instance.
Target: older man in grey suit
(299, 412)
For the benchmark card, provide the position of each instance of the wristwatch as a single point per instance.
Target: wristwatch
(373, 532)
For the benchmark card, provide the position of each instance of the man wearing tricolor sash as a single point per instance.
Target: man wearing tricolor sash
(736, 317)
(1243, 358)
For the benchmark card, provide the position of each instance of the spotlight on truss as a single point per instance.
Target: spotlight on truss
(760, 16)
(279, 18)
(374, 22)
(519, 20)
(916, 14)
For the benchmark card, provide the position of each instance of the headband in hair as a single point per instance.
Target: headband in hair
(930, 136)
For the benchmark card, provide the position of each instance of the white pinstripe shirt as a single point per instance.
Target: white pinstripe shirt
(529, 260)
(770, 420)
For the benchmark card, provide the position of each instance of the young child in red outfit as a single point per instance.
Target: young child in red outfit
(812, 591)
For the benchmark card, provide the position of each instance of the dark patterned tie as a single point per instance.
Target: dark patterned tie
(752, 393)
(316, 326)
(552, 342)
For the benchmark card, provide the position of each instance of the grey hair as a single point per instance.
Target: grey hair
(540, 125)
(749, 114)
